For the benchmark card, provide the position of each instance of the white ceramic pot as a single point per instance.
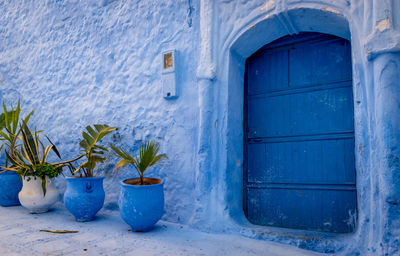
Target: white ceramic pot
(32, 197)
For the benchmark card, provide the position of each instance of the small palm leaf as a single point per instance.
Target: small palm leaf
(100, 147)
(126, 158)
(122, 153)
(84, 144)
(91, 131)
(100, 152)
(122, 163)
(93, 151)
(103, 130)
(148, 156)
(88, 139)
(95, 136)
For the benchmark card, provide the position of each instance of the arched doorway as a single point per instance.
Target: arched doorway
(299, 169)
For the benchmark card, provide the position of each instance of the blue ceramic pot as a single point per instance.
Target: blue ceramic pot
(10, 185)
(141, 206)
(84, 197)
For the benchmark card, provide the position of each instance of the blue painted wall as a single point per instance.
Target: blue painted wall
(82, 62)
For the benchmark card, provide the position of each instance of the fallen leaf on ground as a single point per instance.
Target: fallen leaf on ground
(59, 231)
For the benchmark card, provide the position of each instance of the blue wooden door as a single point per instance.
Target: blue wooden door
(299, 167)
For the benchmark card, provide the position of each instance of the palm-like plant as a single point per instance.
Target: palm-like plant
(93, 152)
(9, 121)
(148, 156)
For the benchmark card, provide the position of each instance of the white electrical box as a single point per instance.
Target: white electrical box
(168, 75)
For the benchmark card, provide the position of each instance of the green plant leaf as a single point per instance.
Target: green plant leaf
(13, 147)
(91, 131)
(102, 130)
(148, 156)
(54, 148)
(15, 117)
(83, 144)
(26, 120)
(122, 163)
(13, 161)
(6, 117)
(99, 152)
(5, 136)
(100, 147)
(30, 145)
(2, 121)
(88, 139)
(44, 154)
(122, 153)
(93, 151)
(43, 181)
(19, 158)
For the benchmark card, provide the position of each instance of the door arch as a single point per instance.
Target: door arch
(299, 169)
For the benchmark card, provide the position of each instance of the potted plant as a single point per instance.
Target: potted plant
(141, 200)
(84, 196)
(10, 183)
(38, 192)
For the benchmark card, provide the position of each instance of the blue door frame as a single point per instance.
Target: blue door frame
(299, 169)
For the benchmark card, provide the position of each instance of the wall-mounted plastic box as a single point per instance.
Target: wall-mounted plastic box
(168, 75)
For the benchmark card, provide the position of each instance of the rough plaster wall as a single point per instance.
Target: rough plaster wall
(371, 32)
(83, 62)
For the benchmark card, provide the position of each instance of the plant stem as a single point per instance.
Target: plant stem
(141, 180)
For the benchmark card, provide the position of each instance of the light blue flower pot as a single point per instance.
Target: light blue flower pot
(141, 206)
(84, 197)
(10, 186)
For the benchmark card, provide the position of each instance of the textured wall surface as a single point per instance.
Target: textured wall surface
(83, 62)
(240, 28)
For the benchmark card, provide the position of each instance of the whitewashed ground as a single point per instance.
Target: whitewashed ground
(109, 235)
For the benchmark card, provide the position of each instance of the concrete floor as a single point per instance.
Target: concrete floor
(109, 235)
